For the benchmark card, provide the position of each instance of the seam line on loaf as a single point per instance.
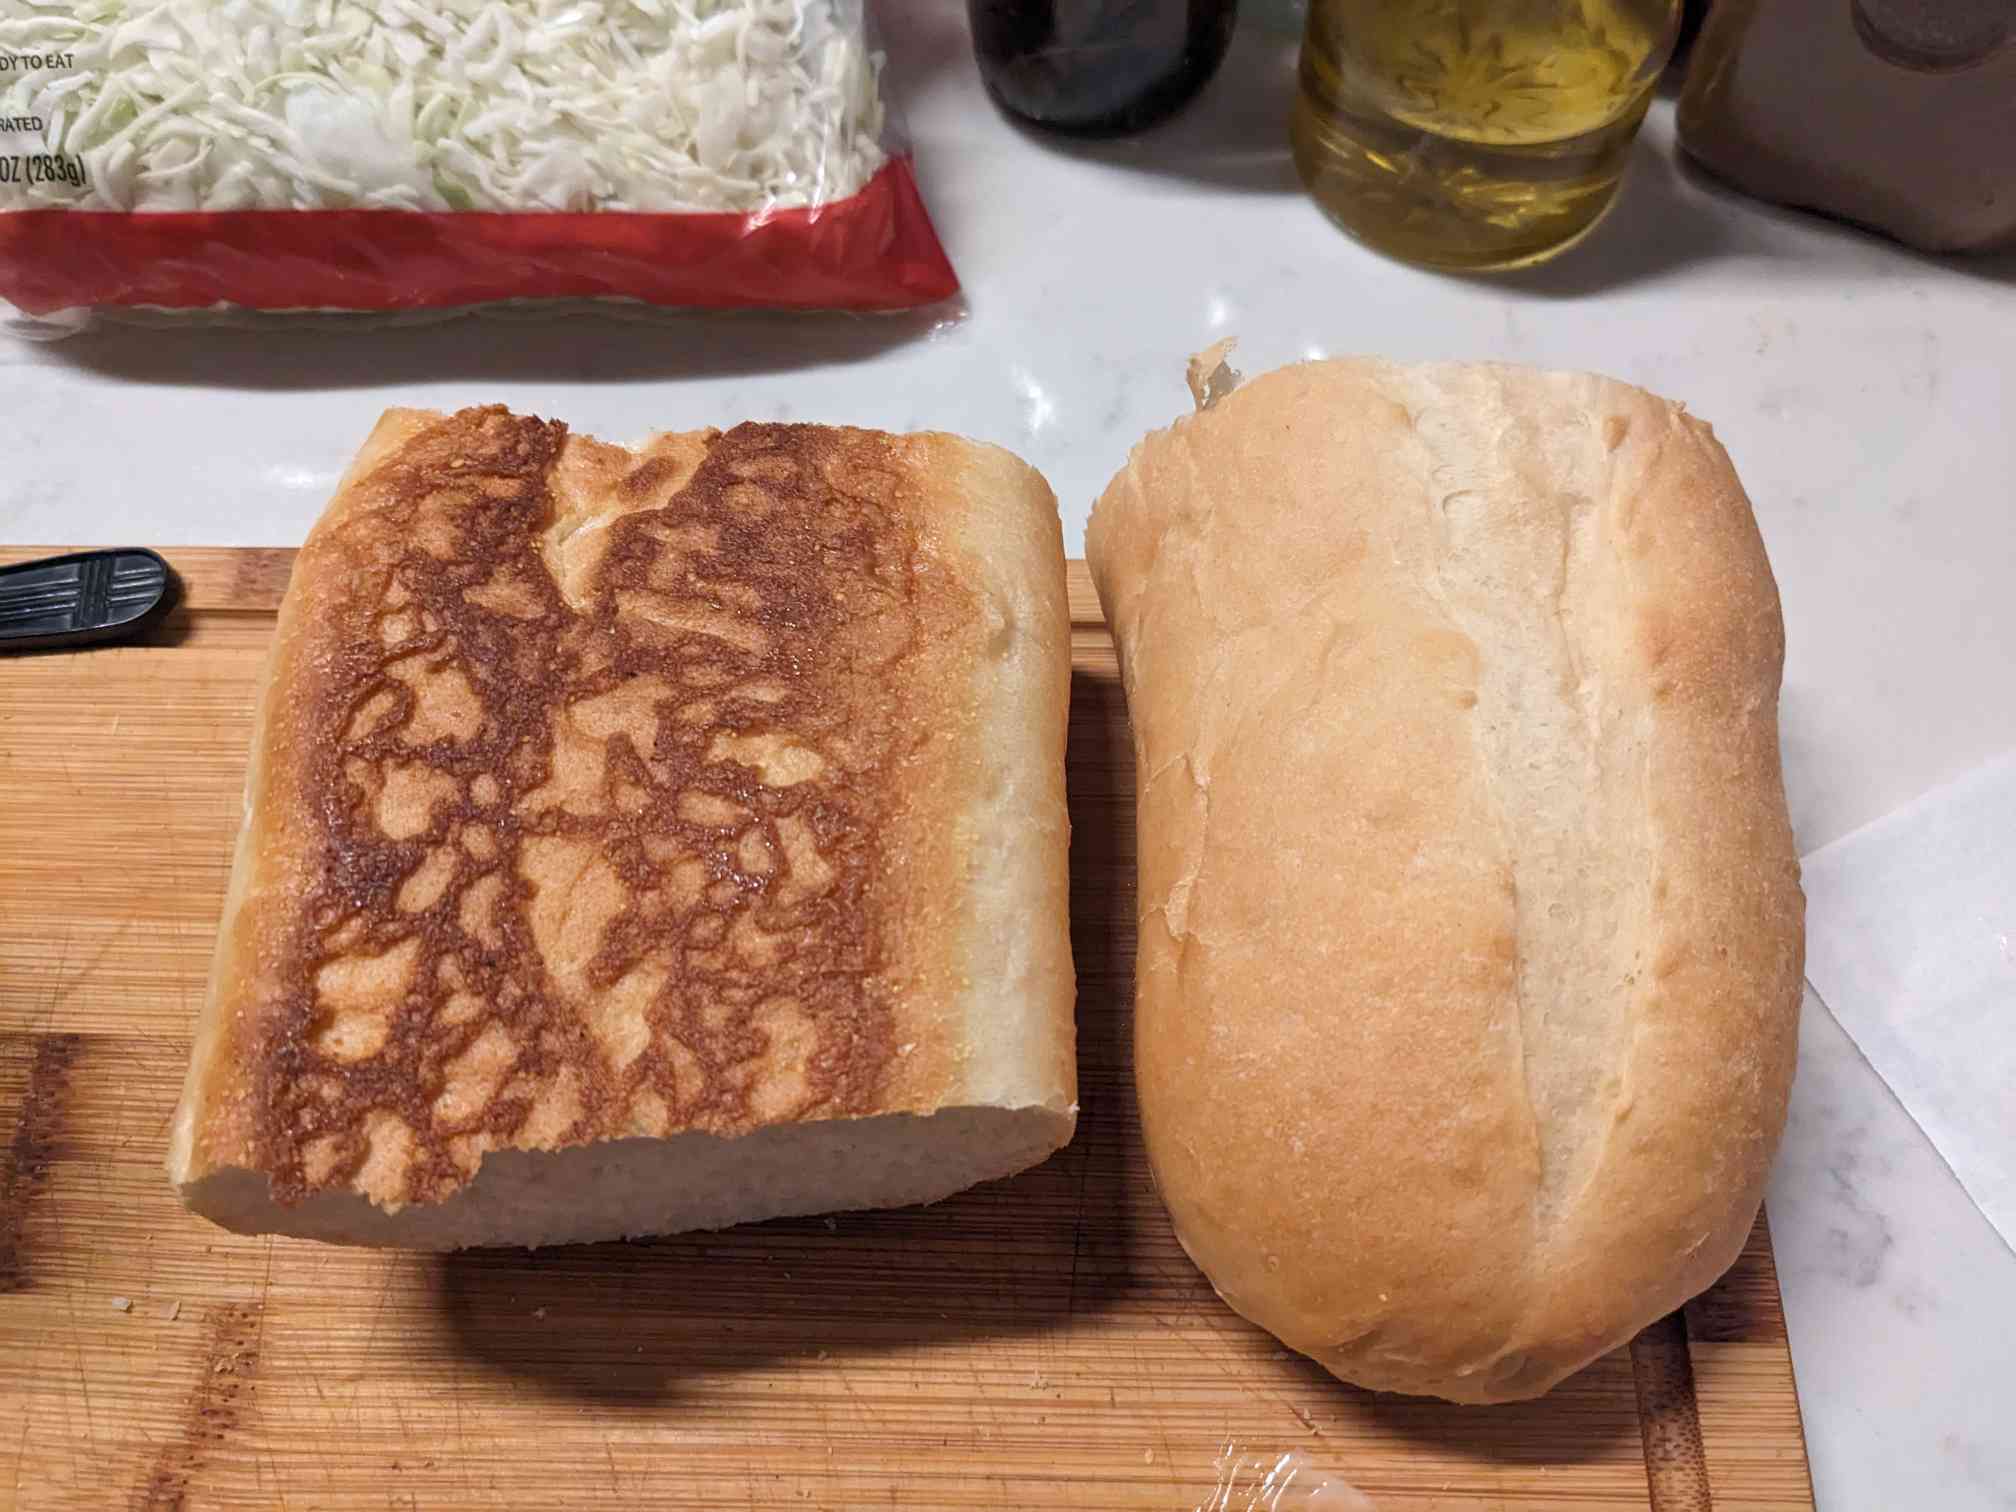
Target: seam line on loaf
(1443, 547)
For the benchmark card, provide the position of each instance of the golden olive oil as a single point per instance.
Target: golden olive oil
(1474, 133)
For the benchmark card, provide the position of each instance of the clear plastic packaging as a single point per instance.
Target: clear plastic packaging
(1261, 1481)
(411, 155)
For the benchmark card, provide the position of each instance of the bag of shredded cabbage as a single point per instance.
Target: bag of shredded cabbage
(404, 155)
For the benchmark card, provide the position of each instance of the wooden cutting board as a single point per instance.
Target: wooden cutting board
(1040, 1342)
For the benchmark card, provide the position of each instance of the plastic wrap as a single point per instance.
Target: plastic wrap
(1264, 1481)
(413, 155)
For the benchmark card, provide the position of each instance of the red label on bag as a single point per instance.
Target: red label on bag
(874, 250)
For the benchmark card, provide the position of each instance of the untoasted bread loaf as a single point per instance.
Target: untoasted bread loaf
(1471, 930)
(640, 841)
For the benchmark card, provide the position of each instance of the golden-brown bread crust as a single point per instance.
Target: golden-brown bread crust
(1471, 932)
(599, 793)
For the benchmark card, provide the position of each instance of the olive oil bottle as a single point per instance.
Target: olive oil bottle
(1474, 134)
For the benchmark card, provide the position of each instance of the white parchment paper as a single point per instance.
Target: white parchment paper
(1911, 942)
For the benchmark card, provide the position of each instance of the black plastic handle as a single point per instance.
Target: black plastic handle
(83, 598)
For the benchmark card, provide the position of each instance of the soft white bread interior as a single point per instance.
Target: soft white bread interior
(640, 840)
(1470, 921)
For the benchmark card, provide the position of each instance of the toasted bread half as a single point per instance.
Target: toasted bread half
(643, 840)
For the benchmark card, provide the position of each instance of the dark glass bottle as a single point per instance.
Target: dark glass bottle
(1098, 67)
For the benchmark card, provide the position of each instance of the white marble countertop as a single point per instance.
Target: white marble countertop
(1865, 393)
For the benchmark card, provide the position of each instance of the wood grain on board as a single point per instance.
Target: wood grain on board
(1038, 1342)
